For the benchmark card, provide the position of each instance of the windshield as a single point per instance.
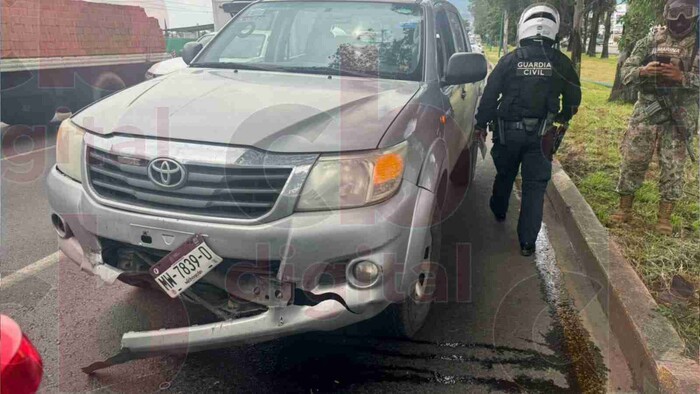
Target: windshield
(349, 38)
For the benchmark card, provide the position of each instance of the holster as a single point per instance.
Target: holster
(548, 143)
(501, 130)
(546, 124)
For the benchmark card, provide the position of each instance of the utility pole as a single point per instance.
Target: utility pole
(576, 44)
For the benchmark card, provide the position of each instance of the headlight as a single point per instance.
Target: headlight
(349, 181)
(69, 149)
(149, 75)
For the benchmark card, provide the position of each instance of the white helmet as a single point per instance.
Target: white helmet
(539, 20)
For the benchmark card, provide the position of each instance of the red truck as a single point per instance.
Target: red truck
(57, 56)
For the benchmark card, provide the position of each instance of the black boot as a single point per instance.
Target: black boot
(527, 249)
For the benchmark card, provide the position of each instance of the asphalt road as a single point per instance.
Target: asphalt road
(499, 336)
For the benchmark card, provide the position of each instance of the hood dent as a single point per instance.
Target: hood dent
(278, 112)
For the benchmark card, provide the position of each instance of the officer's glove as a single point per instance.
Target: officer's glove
(481, 132)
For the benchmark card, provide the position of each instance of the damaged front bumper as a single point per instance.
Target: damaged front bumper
(275, 323)
(393, 234)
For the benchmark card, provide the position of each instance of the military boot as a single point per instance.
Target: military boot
(663, 226)
(624, 212)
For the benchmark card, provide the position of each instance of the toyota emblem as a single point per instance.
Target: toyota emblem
(167, 173)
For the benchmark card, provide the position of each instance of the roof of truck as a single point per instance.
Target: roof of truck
(362, 1)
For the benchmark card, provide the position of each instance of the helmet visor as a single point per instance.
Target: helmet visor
(674, 12)
(546, 15)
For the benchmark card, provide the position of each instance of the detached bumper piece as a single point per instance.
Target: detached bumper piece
(272, 324)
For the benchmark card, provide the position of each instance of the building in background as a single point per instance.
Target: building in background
(617, 24)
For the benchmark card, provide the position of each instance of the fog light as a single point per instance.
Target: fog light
(365, 273)
(61, 226)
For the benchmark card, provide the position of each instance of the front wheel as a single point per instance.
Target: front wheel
(105, 84)
(406, 318)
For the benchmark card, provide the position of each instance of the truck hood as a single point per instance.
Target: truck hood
(280, 112)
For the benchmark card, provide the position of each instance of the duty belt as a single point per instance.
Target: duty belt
(513, 125)
(528, 125)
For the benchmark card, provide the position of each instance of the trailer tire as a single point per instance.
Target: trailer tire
(35, 110)
(105, 84)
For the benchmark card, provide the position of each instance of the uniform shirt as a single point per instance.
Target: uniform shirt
(529, 84)
(684, 95)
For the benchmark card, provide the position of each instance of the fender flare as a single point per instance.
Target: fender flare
(434, 166)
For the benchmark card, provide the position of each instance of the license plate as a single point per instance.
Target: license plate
(184, 266)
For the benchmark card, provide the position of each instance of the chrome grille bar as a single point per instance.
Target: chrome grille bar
(221, 191)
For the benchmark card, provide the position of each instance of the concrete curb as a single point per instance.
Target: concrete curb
(651, 346)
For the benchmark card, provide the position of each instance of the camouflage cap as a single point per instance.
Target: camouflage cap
(682, 2)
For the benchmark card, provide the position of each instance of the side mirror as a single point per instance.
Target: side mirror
(190, 51)
(465, 67)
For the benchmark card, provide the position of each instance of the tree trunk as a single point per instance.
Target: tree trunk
(586, 18)
(506, 21)
(620, 92)
(608, 32)
(594, 28)
(576, 44)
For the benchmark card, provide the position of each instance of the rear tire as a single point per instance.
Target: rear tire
(407, 318)
(106, 84)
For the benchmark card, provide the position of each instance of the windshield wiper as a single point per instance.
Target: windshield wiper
(232, 66)
(329, 71)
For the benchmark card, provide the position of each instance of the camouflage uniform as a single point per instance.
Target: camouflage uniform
(650, 127)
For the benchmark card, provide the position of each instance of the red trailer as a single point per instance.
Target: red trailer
(60, 55)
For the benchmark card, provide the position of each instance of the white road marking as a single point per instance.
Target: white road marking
(29, 153)
(28, 271)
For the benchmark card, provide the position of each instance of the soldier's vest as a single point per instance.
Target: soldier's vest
(531, 89)
(683, 53)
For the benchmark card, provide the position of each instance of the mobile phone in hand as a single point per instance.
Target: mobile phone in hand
(663, 59)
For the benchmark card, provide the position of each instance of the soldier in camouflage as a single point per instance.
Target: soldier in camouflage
(665, 67)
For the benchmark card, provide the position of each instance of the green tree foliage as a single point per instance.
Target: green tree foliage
(641, 16)
(488, 15)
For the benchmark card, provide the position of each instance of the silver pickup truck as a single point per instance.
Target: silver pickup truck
(287, 181)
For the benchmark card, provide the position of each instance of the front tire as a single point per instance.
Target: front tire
(407, 318)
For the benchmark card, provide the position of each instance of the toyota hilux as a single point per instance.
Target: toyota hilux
(287, 182)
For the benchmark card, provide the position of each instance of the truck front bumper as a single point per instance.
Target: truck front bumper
(393, 235)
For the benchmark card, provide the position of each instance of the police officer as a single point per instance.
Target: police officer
(665, 67)
(522, 98)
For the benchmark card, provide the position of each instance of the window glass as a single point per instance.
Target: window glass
(248, 39)
(445, 41)
(354, 38)
(300, 33)
(457, 32)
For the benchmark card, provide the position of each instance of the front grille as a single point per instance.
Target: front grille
(224, 192)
